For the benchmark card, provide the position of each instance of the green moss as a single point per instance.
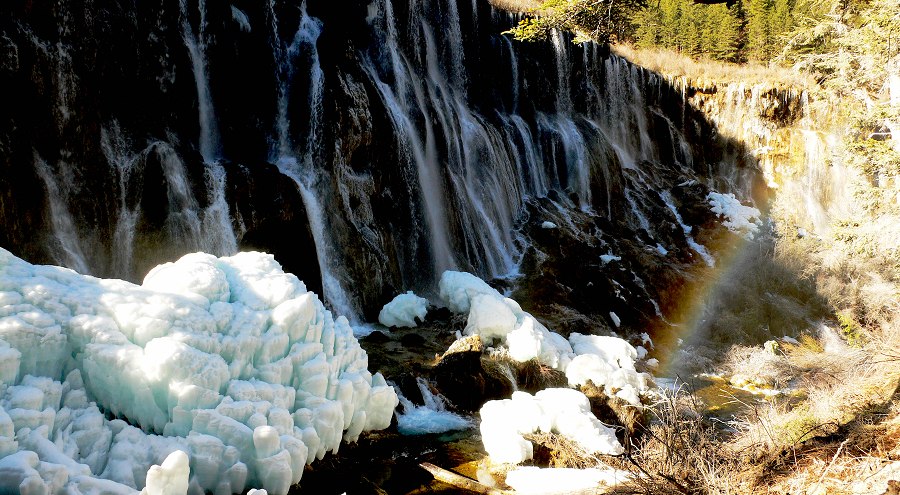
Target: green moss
(800, 425)
(850, 330)
(811, 344)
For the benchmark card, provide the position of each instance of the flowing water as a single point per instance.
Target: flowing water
(415, 140)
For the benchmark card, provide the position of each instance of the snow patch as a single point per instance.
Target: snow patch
(549, 225)
(545, 481)
(558, 410)
(615, 319)
(606, 361)
(606, 258)
(740, 219)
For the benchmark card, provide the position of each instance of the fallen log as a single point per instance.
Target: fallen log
(459, 481)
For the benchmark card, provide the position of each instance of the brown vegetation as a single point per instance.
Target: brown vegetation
(516, 5)
(704, 73)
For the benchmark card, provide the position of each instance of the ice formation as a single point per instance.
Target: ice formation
(548, 225)
(615, 319)
(545, 481)
(606, 258)
(743, 220)
(403, 310)
(558, 410)
(230, 361)
(608, 362)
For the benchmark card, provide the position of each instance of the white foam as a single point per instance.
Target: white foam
(431, 417)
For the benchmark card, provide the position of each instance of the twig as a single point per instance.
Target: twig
(836, 454)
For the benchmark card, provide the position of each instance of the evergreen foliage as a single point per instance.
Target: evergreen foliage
(603, 21)
(693, 29)
(745, 30)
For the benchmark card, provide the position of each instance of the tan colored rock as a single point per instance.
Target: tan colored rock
(471, 343)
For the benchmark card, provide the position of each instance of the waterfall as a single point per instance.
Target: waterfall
(424, 141)
(116, 151)
(68, 252)
(196, 45)
(217, 232)
(304, 173)
(183, 221)
(403, 101)
(698, 248)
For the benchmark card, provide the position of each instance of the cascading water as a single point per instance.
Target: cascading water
(404, 100)
(217, 231)
(303, 171)
(415, 137)
(430, 417)
(698, 248)
(473, 169)
(196, 45)
(69, 251)
(116, 151)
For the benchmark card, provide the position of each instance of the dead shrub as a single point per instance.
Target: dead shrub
(533, 376)
(553, 450)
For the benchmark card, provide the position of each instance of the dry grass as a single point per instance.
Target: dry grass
(519, 6)
(707, 73)
(553, 450)
(681, 452)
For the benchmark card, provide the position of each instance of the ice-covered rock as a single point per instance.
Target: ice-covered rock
(458, 289)
(608, 362)
(743, 220)
(500, 320)
(170, 478)
(403, 311)
(233, 373)
(557, 410)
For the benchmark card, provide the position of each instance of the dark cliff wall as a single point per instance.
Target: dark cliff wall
(429, 133)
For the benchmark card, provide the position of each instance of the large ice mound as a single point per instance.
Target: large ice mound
(228, 360)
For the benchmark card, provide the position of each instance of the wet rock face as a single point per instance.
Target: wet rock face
(106, 96)
(272, 217)
(468, 381)
(420, 135)
(582, 268)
